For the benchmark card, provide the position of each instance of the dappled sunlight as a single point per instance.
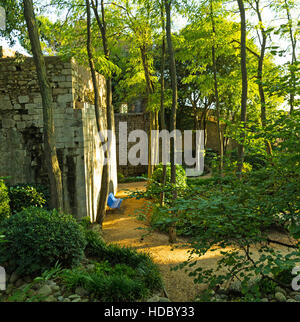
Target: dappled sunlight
(114, 221)
(121, 227)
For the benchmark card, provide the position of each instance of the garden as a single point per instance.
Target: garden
(228, 70)
(49, 256)
(251, 219)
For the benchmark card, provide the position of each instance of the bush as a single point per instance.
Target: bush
(97, 249)
(24, 196)
(284, 275)
(36, 239)
(154, 188)
(257, 161)
(4, 201)
(119, 283)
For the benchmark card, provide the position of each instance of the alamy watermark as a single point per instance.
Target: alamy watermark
(296, 280)
(188, 146)
(2, 279)
(2, 18)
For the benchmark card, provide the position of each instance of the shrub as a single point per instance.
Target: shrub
(120, 176)
(96, 248)
(24, 196)
(4, 201)
(154, 188)
(36, 239)
(119, 283)
(284, 275)
(256, 160)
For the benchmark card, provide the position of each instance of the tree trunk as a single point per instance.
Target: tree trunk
(102, 198)
(54, 172)
(261, 57)
(150, 91)
(162, 97)
(220, 136)
(294, 57)
(172, 230)
(244, 84)
(260, 65)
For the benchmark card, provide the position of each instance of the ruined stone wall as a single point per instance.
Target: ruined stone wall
(135, 121)
(77, 142)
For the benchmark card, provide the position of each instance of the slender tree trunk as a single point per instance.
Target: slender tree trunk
(102, 25)
(244, 84)
(263, 114)
(260, 65)
(213, 49)
(203, 121)
(162, 96)
(54, 172)
(172, 230)
(152, 123)
(294, 57)
(102, 198)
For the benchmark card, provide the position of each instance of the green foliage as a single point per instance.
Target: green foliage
(36, 239)
(123, 179)
(233, 214)
(284, 274)
(120, 273)
(95, 245)
(4, 201)
(51, 273)
(85, 222)
(96, 248)
(155, 185)
(24, 196)
(120, 283)
(266, 286)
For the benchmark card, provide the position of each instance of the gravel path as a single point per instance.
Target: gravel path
(121, 227)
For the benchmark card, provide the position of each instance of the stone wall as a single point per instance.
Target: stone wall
(139, 121)
(135, 121)
(77, 141)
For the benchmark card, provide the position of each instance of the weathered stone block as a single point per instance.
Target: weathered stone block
(59, 90)
(65, 84)
(58, 79)
(64, 98)
(23, 99)
(30, 106)
(8, 123)
(21, 125)
(37, 100)
(67, 71)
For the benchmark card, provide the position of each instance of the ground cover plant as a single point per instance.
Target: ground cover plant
(241, 212)
(49, 256)
(226, 68)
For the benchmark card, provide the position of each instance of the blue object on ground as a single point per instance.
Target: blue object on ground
(113, 202)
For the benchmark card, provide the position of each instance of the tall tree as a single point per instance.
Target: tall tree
(104, 189)
(216, 91)
(102, 25)
(244, 83)
(140, 20)
(172, 64)
(162, 91)
(260, 64)
(293, 39)
(54, 172)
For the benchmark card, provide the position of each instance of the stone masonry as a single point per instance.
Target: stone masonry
(77, 141)
(135, 121)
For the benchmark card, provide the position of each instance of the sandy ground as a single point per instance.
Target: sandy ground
(121, 227)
